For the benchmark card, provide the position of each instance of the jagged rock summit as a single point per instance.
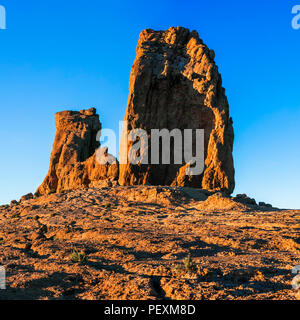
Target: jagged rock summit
(175, 83)
(73, 162)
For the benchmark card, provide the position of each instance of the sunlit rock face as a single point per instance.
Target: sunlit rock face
(73, 161)
(175, 83)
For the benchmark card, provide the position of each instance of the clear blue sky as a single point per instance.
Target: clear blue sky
(58, 55)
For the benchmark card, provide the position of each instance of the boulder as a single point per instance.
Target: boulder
(263, 204)
(27, 196)
(175, 84)
(243, 198)
(14, 203)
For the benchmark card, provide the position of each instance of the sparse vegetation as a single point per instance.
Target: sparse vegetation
(188, 266)
(112, 254)
(78, 257)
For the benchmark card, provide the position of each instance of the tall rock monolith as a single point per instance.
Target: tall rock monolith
(175, 83)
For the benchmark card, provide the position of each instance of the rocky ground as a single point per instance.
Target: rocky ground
(132, 242)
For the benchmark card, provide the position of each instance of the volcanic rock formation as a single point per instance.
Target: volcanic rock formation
(175, 83)
(73, 162)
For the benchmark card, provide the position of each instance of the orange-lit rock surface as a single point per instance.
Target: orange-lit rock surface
(175, 83)
(73, 162)
(135, 239)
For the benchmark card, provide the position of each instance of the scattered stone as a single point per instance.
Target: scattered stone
(144, 232)
(36, 236)
(43, 229)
